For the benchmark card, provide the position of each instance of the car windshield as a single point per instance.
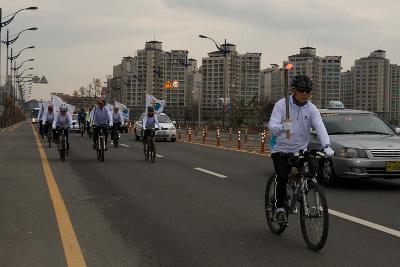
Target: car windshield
(35, 113)
(163, 119)
(355, 124)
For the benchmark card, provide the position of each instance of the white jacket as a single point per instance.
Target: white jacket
(303, 118)
(48, 115)
(117, 117)
(145, 121)
(67, 123)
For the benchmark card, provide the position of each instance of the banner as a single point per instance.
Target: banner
(156, 103)
(57, 101)
(124, 110)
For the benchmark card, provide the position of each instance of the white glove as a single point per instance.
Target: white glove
(287, 126)
(329, 152)
(276, 131)
(111, 125)
(54, 127)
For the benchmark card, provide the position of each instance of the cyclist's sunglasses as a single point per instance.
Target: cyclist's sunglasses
(302, 91)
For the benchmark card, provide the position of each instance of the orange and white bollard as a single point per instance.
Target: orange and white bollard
(239, 142)
(262, 150)
(218, 138)
(179, 132)
(204, 136)
(230, 134)
(190, 135)
(245, 136)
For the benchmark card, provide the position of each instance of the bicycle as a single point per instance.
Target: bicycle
(49, 134)
(150, 145)
(101, 143)
(62, 144)
(301, 182)
(115, 135)
(82, 128)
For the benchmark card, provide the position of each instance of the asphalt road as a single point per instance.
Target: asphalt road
(129, 212)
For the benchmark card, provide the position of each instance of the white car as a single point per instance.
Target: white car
(75, 125)
(167, 131)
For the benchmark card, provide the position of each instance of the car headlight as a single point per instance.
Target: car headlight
(349, 152)
(172, 128)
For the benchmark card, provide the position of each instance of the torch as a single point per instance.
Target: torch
(288, 67)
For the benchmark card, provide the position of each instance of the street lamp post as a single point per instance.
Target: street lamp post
(8, 42)
(8, 21)
(225, 52)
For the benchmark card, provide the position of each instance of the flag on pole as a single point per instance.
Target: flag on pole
(124, 110)
(156, 103)
(57, 101)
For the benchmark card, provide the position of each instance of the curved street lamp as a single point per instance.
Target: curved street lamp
(22, 72)
(4, 23)
(225, 52)
(7, 42)
(19, 53)
(17, 68)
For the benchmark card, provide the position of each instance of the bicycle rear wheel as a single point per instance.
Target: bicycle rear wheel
(270, 207)
(314, 218)
(102, 148)
(62, 151)
(153, 150)
(50, 137)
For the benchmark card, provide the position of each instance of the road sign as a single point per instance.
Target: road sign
(168, 84)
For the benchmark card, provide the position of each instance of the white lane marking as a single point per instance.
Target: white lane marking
(125, 145)
(210, 172)
(365, 223)
(159, 156)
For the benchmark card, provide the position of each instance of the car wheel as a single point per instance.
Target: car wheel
(328, 174)
(173, 139)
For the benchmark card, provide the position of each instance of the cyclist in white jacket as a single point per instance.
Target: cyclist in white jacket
(62, 121)
(303, 115)
(149, 121)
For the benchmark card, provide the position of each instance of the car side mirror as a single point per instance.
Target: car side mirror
(173, 122)
(397, 130)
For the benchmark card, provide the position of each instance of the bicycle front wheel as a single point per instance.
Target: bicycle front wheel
(270, 207)
(314, 217)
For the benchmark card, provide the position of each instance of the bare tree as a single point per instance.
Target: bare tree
(97, 86)
(75, 93)
(82, 91)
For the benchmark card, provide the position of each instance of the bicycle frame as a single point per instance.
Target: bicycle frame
(301, 186)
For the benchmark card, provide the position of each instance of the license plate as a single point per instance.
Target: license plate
(160, 132)
(393, 166)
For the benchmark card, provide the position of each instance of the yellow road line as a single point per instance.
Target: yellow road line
(72, 250)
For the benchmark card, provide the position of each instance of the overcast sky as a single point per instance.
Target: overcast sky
(81, 39)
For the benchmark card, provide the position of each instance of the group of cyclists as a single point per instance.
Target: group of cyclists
(291, 136)
(99, 117)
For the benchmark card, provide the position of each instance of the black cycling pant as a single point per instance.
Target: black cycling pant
(282, 169)
(146, 134)
(113, 128)
(41, 128)
(46, 128)
(57, 133)
(96, 131)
